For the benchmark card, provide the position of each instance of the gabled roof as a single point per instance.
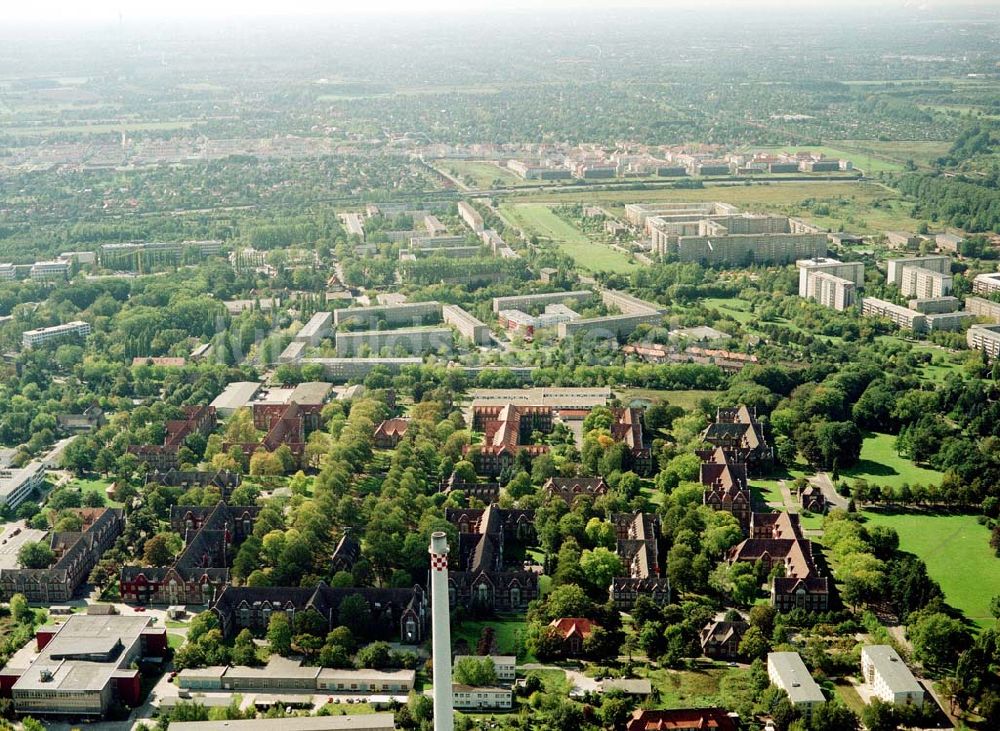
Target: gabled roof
(573, 627)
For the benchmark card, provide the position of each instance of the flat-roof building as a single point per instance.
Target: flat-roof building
(49, 270)
(983, 308)
(407, 313)
(556, 397)
(924, 283)
(477, 698)
(986, 283)
(890, 680)
(937, 305)
(84, 666)
(234, 397)
(318, 327)
(853, 271)
(17, 484)
(787, 671)
(350, 369)
(408, 340)
(894, 267)
(471, 216)
(530, 301)
(77, 328)
(901, 316)
(504, 665)
(468, 326)
(830, 290)
(355, 722)
(947, 320)
(985, 338)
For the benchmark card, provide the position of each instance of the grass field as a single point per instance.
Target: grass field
(860, 160)
(738, 309)
(861, 207)
(97, 485)
(174, 640)
(483, 173)
(880, 464)
(506, 629)
(538, 219)
(921, 152)
(957, 552)
(684, 688)
(687, 400)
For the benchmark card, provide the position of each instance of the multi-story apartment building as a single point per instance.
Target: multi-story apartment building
(532, 301)
(895, 267)
(318, 327)
(889, 678)
(937, 305)
(356, 369)
(468, 326)
(504, 665)
(407, 313)
(39, 336)
(986, 283)
(924, 283)
(8, 272)
(830, 282)
(407, 340)
(49, 270)
(982, 308)
(832, 291)
(900, 316)
(985, 338)
(475, 698)
(17, 484)
(471, 216)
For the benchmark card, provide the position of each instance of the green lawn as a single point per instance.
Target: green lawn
(506, 628)
(174, 640)
(738, 309)
(687, 400)
(768, 491)
(880, 464)
(98, 485)
(483, 173)
(696, 688)
(538, 219)
(957, 552)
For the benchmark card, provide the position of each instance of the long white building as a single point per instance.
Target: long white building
(986, 283)
(894, 267)
(31, 338)
(787, 671)
(985, 338)
(889, 678)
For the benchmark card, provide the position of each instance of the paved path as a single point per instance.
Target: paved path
(823, 481)
(579, 680)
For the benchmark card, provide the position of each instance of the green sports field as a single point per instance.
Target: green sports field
(956, 549)
(538, 219)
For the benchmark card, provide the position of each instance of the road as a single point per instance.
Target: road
(823, 482)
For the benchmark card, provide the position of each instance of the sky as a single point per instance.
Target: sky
(48, 11)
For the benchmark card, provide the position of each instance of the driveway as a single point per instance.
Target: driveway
(580, 681)
(823, 482)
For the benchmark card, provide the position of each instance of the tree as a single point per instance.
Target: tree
(754, 644)
(19, 609)
(279, 633)
(476, 671)
(833, 716)
(880, 716)
(377, 655)
(354, 614)
(244, 651)
(157, 551)
(35, 555)
(599, 567)
(937, 639)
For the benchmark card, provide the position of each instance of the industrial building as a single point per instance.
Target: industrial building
(468, 326)
(985, 338)
(77, 328)
(409, 340)
(901, 316)
(787, 671)
(84, 666)
(890, 680)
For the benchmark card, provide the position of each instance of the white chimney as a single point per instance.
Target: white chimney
(444, 714)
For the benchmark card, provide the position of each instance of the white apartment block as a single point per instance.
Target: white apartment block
(894, 267)
(48, 270)
(937, 305)
(983, 308)
(985, 338)
(787, 671)
(924, 283)
(833, 291)
(471, 216)
(318, 327)
(528, 301)
(18, 484)
(504, 665)
(468, 697)
(31, 338)
(986, 283)
(468, 326)
(853, 271)
(8, 272)
(901, 316)
(889, 678)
